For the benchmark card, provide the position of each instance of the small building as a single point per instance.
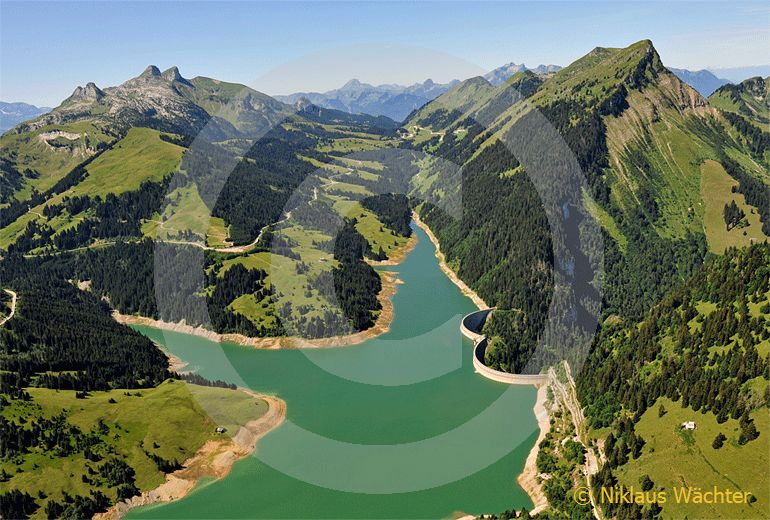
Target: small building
(221, 429)
(688, 425)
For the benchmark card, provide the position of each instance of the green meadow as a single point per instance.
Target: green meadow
(171, 421)
(674, 457)
(716, 192)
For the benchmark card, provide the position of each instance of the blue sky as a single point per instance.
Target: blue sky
(47, 49)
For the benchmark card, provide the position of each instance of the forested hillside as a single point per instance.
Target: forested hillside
(703, 349)
(62, 337)
(661, 167)
(672, 179)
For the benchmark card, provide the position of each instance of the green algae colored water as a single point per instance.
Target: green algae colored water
(397, 427)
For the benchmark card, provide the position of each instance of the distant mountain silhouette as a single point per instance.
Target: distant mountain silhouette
(11, 114)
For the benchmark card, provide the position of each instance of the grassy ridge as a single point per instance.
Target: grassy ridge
(141, 155)
(51, 157)
(750, 98)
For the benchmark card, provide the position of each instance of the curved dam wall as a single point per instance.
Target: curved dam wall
(470, 327)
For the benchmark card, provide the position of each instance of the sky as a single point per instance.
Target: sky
(47, 49)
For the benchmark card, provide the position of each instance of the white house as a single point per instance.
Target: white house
(688, 425)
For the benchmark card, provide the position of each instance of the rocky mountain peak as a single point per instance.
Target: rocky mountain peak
(303, 104)
(150, 71)
(88, 93)
(172, 74)
(502, 74)
(353, 83)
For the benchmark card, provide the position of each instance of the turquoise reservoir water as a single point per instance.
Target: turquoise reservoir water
(397, 427)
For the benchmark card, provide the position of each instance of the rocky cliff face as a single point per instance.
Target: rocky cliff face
(168, 101)
(88, 94)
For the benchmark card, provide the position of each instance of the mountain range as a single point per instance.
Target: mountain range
(393, 101)
(397, 101)
(738, 74)
(704, 81)
(501, 74)
(676, 185)
(12, 114)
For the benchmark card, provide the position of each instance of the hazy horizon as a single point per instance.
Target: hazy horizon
(299, 47)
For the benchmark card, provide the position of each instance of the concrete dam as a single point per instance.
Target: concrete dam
(471, 326)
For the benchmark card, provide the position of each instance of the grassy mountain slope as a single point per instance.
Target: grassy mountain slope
(147, 430)
(123, 192)
(48, 152)
(141, 156)
(701, 354)
(432, 120)
(750, 98)
(462, 97)
(653, 152)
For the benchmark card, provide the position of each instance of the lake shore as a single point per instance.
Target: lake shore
(382, 324)
(214, 459)
(397, 256)
(175, 364)
(467, 291)
(385, 318)
(528, 479)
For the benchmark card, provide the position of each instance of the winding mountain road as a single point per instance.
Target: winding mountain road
(568, 396)
(227, 249)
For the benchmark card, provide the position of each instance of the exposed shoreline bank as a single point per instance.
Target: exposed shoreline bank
(384, 320)
(214, 459)
(527, 479)
(382, 325)
(467, 291)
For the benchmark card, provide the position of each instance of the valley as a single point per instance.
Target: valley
(240, 234)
